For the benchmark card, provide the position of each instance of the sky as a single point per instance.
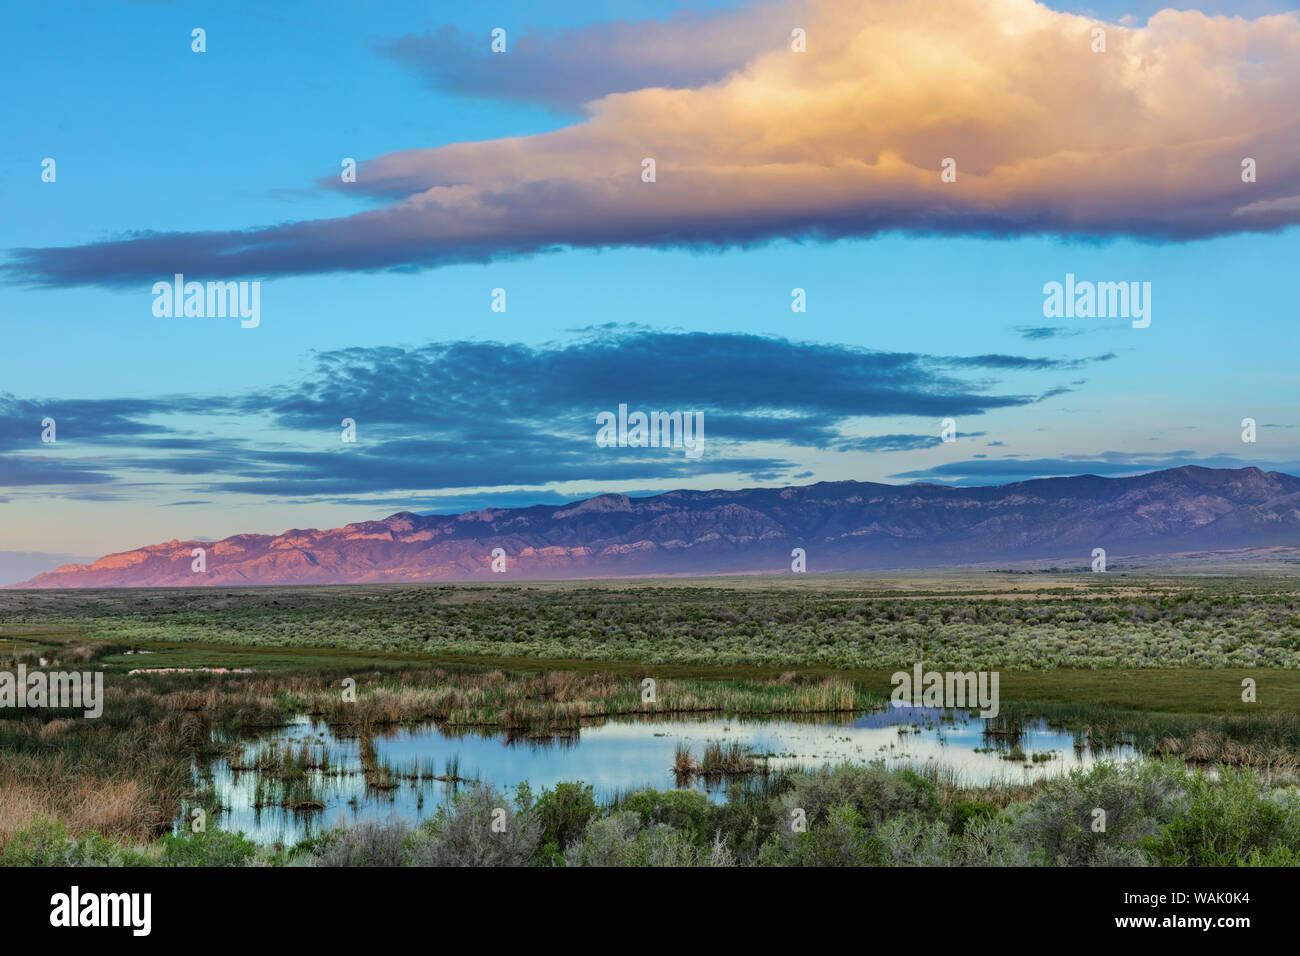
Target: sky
(775, 170)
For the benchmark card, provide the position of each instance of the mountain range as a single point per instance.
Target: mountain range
(841, 525)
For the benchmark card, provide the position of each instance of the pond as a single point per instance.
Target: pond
(318, 779)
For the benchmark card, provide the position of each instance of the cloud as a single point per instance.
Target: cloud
(882, 443)
(1041, 332)
(988, 471)
(75, 420)
(18, 471)
(564, 69)
(370, 470)
(845, 140)
(743, 380)
(465, 415)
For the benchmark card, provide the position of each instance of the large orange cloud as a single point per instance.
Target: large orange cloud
(1145, 139)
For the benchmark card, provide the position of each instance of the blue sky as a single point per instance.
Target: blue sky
(184, 428)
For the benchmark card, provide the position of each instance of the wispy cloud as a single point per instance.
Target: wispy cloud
(986, 471)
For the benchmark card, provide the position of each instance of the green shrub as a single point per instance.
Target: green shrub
(562, 815)
(877, 794)
(47, 843)
(744, 823)
(1056, 826)
(211, 848)
(839, 838)
(912, 840)
(605, 840)
(963, 812)
(989, 841)
(1230, 821)
(1278, 856)
(688, 811)
(623, 839)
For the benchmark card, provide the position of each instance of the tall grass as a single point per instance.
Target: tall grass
(557, 702)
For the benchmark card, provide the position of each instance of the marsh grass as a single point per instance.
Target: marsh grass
(1267, 742)
(684, 765)
(730, 759)
(558, 703)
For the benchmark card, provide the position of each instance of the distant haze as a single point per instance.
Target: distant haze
(18, 566)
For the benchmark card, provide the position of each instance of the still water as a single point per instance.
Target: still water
(614, 757)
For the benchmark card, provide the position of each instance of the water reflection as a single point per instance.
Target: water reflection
(304, 778)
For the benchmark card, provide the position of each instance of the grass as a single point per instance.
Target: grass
(558, 702)
(731, 759)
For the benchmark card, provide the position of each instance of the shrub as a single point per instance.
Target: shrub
(873, 791)
(989, 841)
(1278, 856)
(605, 840)
(839, 838)
(1228, 822)
(464, 833)
(562, 816)
(660, 845)
(744, 823)
(963, 812)
(912, 840)
(366, 844)
(212, 848)
(686, 810)
(1138, 799)
(623, 839)
(47, 843)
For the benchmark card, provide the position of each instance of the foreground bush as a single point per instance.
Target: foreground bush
(1155, 813)
(562, 815)
(625, 839)
(47, 843)
(366, 844)
(477, 829)
(839, 838)
(1058, 827)
(1230, 822)
(875, 793)
(212, 848)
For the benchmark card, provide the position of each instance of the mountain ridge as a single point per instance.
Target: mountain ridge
(842, 525)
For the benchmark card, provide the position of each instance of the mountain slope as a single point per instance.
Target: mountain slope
(844, 525)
